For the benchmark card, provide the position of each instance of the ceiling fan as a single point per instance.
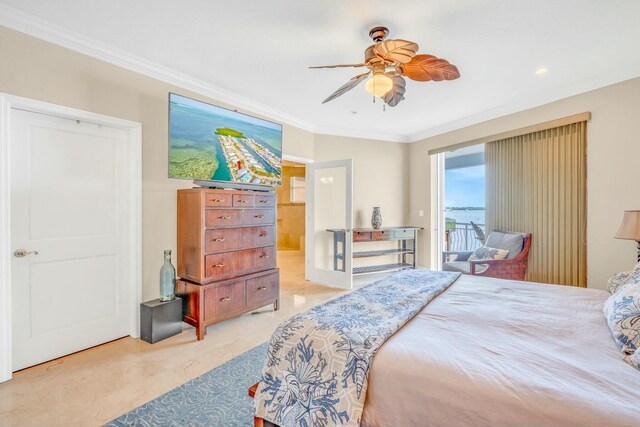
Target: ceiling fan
(388, 61)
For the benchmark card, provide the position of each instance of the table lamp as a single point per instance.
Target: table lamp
(630, 228)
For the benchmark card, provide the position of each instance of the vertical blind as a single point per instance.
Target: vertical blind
(536, 183)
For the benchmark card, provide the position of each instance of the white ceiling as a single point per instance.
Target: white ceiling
(258, 51)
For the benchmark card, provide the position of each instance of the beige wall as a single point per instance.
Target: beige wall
(613, 153)
(36, 69)
(380, 175)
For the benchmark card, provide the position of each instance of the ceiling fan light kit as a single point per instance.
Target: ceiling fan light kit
(389, 61)
(379, 84)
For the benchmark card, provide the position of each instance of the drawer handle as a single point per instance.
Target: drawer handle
(217, 200)
(218, 265)
(264, 256)
(262, 288)
(219, 239)
(225, 299)
(242, 201)
(259, 216)
(263, 235)
(224, 217)
(263, 201)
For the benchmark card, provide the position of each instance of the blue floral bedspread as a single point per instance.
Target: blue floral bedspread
(318, 361)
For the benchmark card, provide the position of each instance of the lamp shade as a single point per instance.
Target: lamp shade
(630, 228)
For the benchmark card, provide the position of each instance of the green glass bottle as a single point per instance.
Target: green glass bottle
(167, 279)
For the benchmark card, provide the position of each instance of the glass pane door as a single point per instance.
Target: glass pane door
(329, 223)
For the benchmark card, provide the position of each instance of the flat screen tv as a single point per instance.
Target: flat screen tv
(207, 142)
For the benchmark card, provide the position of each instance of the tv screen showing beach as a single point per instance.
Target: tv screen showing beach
(209, 142)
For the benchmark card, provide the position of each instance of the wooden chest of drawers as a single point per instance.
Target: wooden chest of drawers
(226, 254)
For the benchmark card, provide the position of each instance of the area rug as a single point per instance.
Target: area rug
(217, 398)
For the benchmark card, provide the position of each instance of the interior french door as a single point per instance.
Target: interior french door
(329, 207)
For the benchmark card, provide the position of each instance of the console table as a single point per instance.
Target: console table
(404, 236)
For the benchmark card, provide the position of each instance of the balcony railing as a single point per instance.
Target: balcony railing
(461, 237)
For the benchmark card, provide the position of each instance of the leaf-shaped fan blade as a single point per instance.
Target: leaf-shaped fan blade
(347, 87)
(396, 50)
(396, 94)
(428, 67)
(341, 66)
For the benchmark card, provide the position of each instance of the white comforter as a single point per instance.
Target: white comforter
(490, 352)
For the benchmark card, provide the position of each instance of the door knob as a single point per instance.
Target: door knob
(21, 253)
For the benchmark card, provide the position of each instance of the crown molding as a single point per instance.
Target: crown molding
(363, 134)
(20, 21)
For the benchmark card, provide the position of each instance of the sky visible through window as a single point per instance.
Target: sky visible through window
(464, 187)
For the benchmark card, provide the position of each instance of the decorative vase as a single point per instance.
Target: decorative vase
(376, 219)
(167, 279)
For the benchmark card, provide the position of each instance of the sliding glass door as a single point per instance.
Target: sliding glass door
(459, 200)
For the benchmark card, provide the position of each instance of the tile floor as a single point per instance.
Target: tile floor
(94, 386)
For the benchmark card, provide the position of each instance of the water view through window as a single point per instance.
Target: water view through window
(464, 197)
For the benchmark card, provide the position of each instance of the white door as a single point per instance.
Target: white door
(329, 207)
(438, 208)
(69, 228)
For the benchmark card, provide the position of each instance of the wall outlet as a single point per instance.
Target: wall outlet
(420, 212)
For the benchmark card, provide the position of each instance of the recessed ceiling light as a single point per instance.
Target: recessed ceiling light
(542, 71)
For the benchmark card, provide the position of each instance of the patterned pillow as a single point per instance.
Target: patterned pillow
(634, 277)
(634, 359)
(622, 311)
(486, 252)
(617, 280)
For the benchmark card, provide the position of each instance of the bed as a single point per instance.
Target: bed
(491, 352)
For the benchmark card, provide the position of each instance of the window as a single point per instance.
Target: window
(298, 189)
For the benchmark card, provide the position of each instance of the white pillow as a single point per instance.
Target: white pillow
(622, 311)
(486, 252)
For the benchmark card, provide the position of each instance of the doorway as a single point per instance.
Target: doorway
(71, 261)
(460, 202)
(292, 202)
(292, 199)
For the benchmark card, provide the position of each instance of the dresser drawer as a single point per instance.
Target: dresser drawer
(217, 199)
(403, 234)
(259, 216)
(222, 266)
(230, 264)
(263, 236)
(261, 259)
(361, 236)
(224, 300)
(227, 239)
(263, 288)
(265, 201)
(223, 217)
(243, 200)
(381, 235)
(233, 239)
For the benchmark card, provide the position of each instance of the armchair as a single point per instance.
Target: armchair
(514, 267)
